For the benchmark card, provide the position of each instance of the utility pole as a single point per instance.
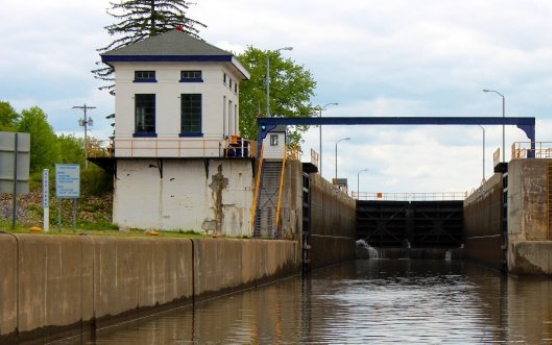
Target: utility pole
(85, 123)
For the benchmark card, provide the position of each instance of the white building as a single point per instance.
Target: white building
(179, 161)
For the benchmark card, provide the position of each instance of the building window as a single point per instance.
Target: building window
(224, 78)
(274, 140)
(236, 87)
(191, 77)
(190, 115)
(144, 115)
(144, 77)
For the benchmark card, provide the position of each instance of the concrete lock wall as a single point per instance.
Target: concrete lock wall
(333, 224)
(226, 265)
(528, 199)
(54, 286)
(291, 214)
(529, 244)
(483, 236)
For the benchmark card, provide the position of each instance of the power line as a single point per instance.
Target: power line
(85, 123)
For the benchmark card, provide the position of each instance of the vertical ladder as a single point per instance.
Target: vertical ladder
(505, 221)
(549, 198)
(306, 238)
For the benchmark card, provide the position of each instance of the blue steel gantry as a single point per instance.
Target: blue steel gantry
(526, 124)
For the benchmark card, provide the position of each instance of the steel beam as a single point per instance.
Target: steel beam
(526, 124)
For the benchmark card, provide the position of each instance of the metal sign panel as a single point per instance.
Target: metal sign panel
(15, 153)
(67, 181)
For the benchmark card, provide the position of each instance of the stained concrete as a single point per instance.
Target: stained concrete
(528, 200)
(529, 239)
(333, 224)
(8, 284)
(57, 285)
(530, 257)
(483, 235)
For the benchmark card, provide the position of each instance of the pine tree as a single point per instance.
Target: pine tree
(140, 19)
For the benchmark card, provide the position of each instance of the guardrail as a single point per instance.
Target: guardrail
(177, 148)
(523, 150)
(410, 196)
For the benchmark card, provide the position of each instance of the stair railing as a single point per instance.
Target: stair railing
(280, 189)
(257, 191)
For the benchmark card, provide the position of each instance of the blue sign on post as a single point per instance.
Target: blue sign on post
(67, 181)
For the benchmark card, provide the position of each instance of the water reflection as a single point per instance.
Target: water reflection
(361, 302)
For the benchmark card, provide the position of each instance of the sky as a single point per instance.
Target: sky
(393, 58)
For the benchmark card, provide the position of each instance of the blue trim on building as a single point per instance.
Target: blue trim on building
(145, 135)
(194, 134)
(192, 80)
(144, 81)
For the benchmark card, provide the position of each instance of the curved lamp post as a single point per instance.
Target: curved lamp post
(268, 77)
(320, 109)
(503, 115)
(336, 156)
(483, 128)
(358, 183)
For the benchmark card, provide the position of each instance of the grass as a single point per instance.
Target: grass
(93, 218)
(91, 231)
(93, 212)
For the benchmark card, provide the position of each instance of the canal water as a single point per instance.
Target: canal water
(360, 302)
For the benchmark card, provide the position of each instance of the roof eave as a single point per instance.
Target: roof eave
(246, 75)
(166, 58)
(110, 59)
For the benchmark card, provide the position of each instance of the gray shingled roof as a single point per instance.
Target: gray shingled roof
(173, 45)
(170, 43)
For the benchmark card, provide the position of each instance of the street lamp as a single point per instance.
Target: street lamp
(336, 157)
(358, 183)
(320, 109)
(268, 77)
(483, 128)
(503, 115)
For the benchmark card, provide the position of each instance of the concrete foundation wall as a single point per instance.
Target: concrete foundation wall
(529, 244)
(333, 224)
(483, 235)
(527, 200)
(52, 286)
(203, 195)
(530, 257)
(528, 241)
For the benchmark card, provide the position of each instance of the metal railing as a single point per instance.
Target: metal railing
(523, 150)
(178, 148)
(410, 196)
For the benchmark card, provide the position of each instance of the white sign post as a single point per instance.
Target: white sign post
(46, 198)
(67, 187)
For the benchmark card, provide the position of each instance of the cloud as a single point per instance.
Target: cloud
(376, 58)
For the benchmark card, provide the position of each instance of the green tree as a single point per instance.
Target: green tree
(45, 148)
(291, 89)
(8, 117)
(140, 19)
(72, 149)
